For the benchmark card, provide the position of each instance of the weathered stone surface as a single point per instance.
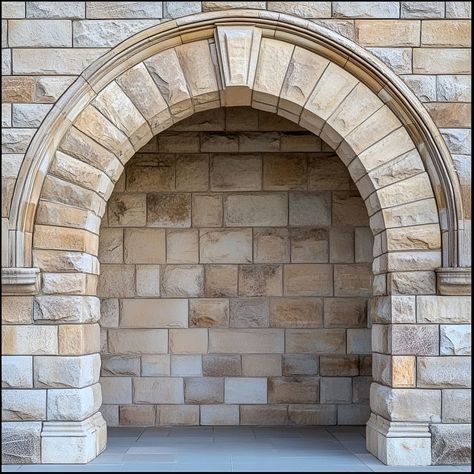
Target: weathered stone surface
(147, 280)
(42, 33)
(116, 281)
(309, 209)
(156, 365)
(209, 312)
(415, 339)
(204, 390)
(244, 390)
(358, 341)
(293, 389)
(444, 372)
(144, 246)
(74, 404)
(17, 309)
(216, 415)
(263, 365)
(443, 309)
(339, 365)
(398, 59)
(316, 341)
(154, 313)
(151, 173)
(256, 210)
(296, 312)
(79, 339)
(29, 115)
(256, 341)
(260, 280)
(21, 442)
(207, 210)
(451, 444)
(423, 86)
(172, 142)
(336, 389)
(136, 341)
(345, 312)
(422, 9)
(349, 209)
(178, 415)
(309, 245)
(168, 210)
(188, 341)
(352, 280)
(116, 389)
(69, 309)
(226, 246)
(299, 364)
(302, 9)
(177, 10)
(220, 365)
(221, 280)
(388, 33)
(16, 140)
(432, 61)
(60, 10)
(120, 365)
(444, 33)
(458, 140)
(366, 9)
(29, 340)
(271, 245)
(456, 406)
(192, 172)
(182, 280)
(284, 172)
(308, 280)
(409, 283)
(23, 405)
(458, 10)
(236, 173)
(249, 312)
(137, 415)
(263, 415)
(158, 390)
(17, 371)
(100, 10)
(127, 210)
(304, 414)
(455, 339)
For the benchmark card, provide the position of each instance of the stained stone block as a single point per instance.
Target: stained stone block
(178, 415)
(300, 364)
(236, 173)
(204, 390)
(309, 245)
(341, 244)
(263, 365)
(207, 210)
(336, 389)
(352, 280)
(116, 281)
(221, 280)
(121, 365)
(345, 312)
(249, 312)
(137, 415)
(182, 280)
(271, 245)
(209, 313)
(226, 246)
(21, 442)
(260, 280)
(66, 309)
(284, 172)
(293, 389)
(443, 309)
(219, 365)
(127, 210)
(109, 313)
(328, 173)
(111, 245)
(192, 172)
(310, 209)
(151, 173)
(263, 415)
(29, 340)
(168, 210)
(308, 280)
(316, 341)
(17, 309)
(451, 444)
(296, 312)
(335, 366)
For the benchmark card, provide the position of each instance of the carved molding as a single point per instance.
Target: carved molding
(454, 281)
(20, 281)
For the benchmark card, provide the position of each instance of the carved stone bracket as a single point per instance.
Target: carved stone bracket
(20, 281)
(454, 281)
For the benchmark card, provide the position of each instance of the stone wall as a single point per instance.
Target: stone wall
(235, 271)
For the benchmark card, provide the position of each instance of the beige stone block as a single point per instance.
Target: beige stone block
(151, 173)
(207, 210)
(263, 415)
(182, 280)
(17, 371)
(399, 60)
(293, 389)
(59, 260)
(168, 210)
(309, 209)
(263, 365)
(221, 280)
(403, 371)
(116, 281)
(304, 414)
(101, 10)
(154, 313)
(186, 365)
(309, 245)
(216, 415)
(226, 246)
(317, 341)
(236, 173)
(192, 173)
(178, 142)
(220, 365)
(120, 365)
(296, 312)
(26, 340)
(23, 405)
(456, 406)
(17, 309)
(423, 237)
(300, 364)
(66, 309)
(155, 365)
(388, 32)
(366, 10)
(116, 389)
(259, 142)
(441, 61)
(182, 246)
(284, 172)
(444, 372)
(327, 173)
(412, 283)
(359, 341)
(137, 415)
(245, 390)
(345, 312)
(257, 341)
(210, 312)
(308, 280)
(158, 390)
(147, 280)
(450, 114)
(204, 390)
(109, 313)
(339, 366)
(13, 10)
(341, 244)
(249, 312)
(352, 280)
(78, 339)
(188, 341)
(446, 33)
(256, 210)
(127, 210)
(111, 245)
(349, 209)
(178, 415)
(138, 341)
(271, 245)
(260, 280)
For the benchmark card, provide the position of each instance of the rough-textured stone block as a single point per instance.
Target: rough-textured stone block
(23, 405)
(398, 59)
(260, 280)
(209, 313)
(236, 173)
(296, 312)
(204, 390)
(443, 309)
(271, 245)
(366, 9)
(300, 364)
(127, 210)
(43, 33)
(388, 33)
(422, 10)
(116, 281)
(226, 246)
(147, 280)
(453, 88)
(21, 442)
(339, 366)
(410, 339)
(29, 340)
(257, 341)
(435, 61)
(308, 209)
(207, 210)
(136, 341)
(327, 173)
(185, 341)
(316, 341)
(73, 404)
(158, 390)
(28, 115)
(451, 444)
(284, 172)
(352, 280)
(456, 405)
(151, 173)
(245, 390)
(302, 9)
(58, 10)
(17, 309)
(217, 365)
(192, 173)
(168, 210)
(111, 245)
(221, 280)
(66, 309)
(345, 312)
(444, 372)
(249, 312)
(17, 371)
(455, 339)
(79, 339)
(182, 280)
(101, 10)
(309, 245)
(137, 415)
(308, 280)
(120, 365)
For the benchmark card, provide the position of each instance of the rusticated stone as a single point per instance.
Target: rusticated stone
(366, 9)
(21, 442)
(398, 59)
(453, 88)
(74, 404)
(17, 309)
(260, 280)
(17, 371)
(443, 309)
(116, 281)
(444, 372)
(451, 444)
(120, 365)
(415, 339)
(23, 405)
(29, 340)
(79, 339)
(69, 309)
(209, 313)
(182, 280)
(422, 10)
(123, 10)
(456, 406)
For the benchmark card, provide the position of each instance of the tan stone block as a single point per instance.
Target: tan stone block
(188, 341)
(236, 173)
(116, 281)
(264, 365)
(309, 209)
(207, 210)
(444, 372)
(78, 339)
(48, 237)
(66, 309)
(423, 237)
(182, 280)
(296, 312)
(209, 312)
(29, 340)
(300, 364)
(204, 390)
(221, 280)
(127, 210)
(59, 260)
(120, 365)
(312, 414)
(446, 33)
(263, 415)
(317, 341)
(137, 415)
(245, 390)
(220, 365)
(249, 312)
(155, 365)
(151, 173)
(308, 280)
(138, 341)
(109, 313)
(226, 246)
(217, 415)
(349, 209)
(388, 32)
(182, 246)
(192, 173)
(158, 390)
(271, 245)
(364, 243)
(403, 371)
(293, 389)
(178, 415)
(17, 309)
(299, 142)
(441, 61)
(450, 115)
(341, 244)
(260, 280)
(259, 142)
(309, 245)
(111, 245)
(345, 312)
(168, 210)
(327, 173)
(336, 366)
(257, 341)
(154, 313)
(147, 280)
(284, 171)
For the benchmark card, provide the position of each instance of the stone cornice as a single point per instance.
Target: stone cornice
(20, 281)
(454, 281)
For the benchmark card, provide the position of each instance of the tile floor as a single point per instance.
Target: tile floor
(234, 449)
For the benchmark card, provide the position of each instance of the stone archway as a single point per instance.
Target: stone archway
(271, 62)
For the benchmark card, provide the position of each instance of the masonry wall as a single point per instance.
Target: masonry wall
(235, 270)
